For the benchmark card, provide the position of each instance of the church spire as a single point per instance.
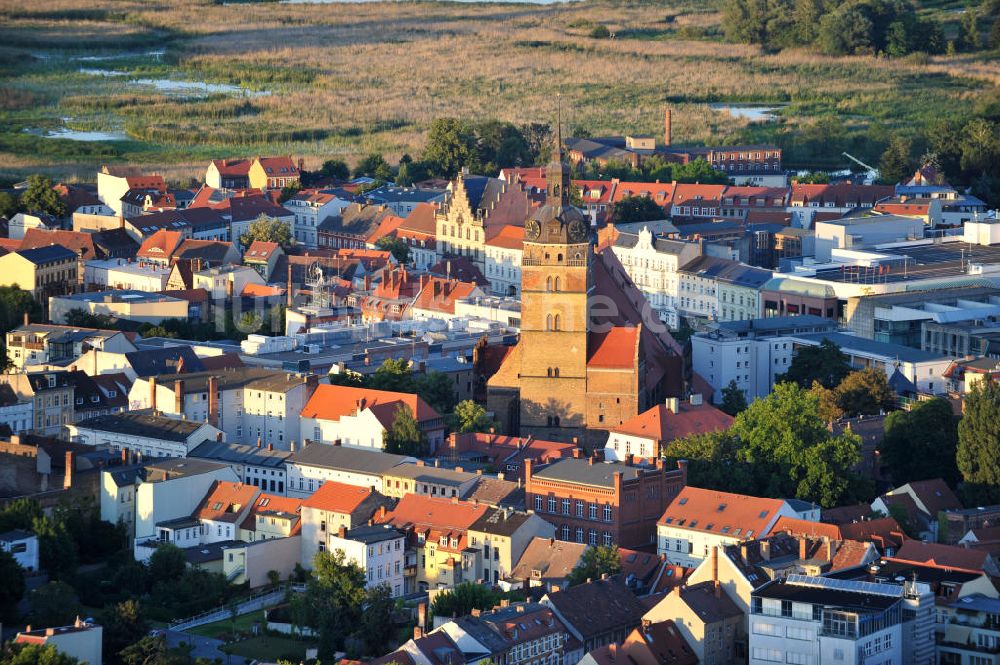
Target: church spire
(557, 173)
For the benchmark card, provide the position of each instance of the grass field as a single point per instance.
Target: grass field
(269, 649)
(322, 80)
(225, 627)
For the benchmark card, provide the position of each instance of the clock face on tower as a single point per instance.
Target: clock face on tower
(532, 229)
(577, 230)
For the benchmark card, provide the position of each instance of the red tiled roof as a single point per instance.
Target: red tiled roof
(279, 166)
(441, 294)
(337, 497)
(160, 245)
(78, 242)
(225, 500)
(734, 515)
(421, 219)
(797, 527)
(615, 349)
(191, 295)
(233, 167)
(146, 182)
(251, 290)
(272, 503)
(423, 511)
(221, 361)
(330, 402)
(509, 237)
(661, 192)
(687, 195)
(916, 209)
(662, 424)
(386, 227)
(260, 250)
(942, 556)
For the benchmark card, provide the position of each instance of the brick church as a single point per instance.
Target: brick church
(585, 361)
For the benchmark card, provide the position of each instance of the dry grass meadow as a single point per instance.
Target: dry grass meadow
(353, 78)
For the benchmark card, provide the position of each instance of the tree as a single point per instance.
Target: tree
(699, 171)
(896, 163)
(167, 564)
(462, 599)
(451, 144)
(396, 246)
(395, 375)
(600, 32)
(335, 168)
(373, 166)
(41, 197)
(968, 31)
(978, 453)
(829, 410)
(712, 462)
(57, 554)
(825, 363)
(14, 304)
(734, 400)
(437, 389)
(405, 436)
(790, 451)
(290, 190)
(376, 628)
(865, 392)
(595, 562)
(471, 417)
(921, 443)
(268, 229)
(11, 587)
(35, 654)
(814, 178)
(9, 205)
(84, 319)
(53, 604)
(635, 209)
(123, 626)
(995, 34)
(332, 603)
(147, 651)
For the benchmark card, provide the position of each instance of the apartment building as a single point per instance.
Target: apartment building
(379, 550)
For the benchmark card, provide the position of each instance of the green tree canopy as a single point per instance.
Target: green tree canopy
(11, 587)
(462, 599)
(437, 389)
(635, 209)
(333, 602)
(35, 654)
(9, 205)
(825, 363)
(595, 562)
(393, 374)
(978, 453)
(397, 246)
(865, 392)
(335, 168)
(41, 197)
(699, 171)
(471, 417)
(376, 628)
(897, 163)
(734, 400)
(374, 166)
(124, 625)
(53, 604)
(791, 453)
(405, 436)
(268, 229)
(713, 462)
(922, 443)
(167, 564)
(14, 303)
(57, 553)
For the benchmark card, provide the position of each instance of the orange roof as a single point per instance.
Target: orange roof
(421, 219)
(919, 209)
(942, 556)
(733, 515)
(160, 245)
(337, 497)
(440, 295)
(252, 290)
(386, 227)
(661, 192)
(797, 527)
(615, 349)
(662, 424)
(78, 242)
(260, 250)
(278, 166)
(509, 237)
(232, 166)
(685, 194)
(146, 182)
(225, 500)
(423, 511)
(333, 402)
(273, 503)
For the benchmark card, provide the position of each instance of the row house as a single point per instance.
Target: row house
(696, 202)
(596, 614)
(42, 343)
(506, 454)
(514, 634)
(745, 164)
(360, 417)
(403, 200)
(17, 413)
(721, 289)
(379, 550)
(503, 535)
(805, 201)
(334, 511)
(141, 433)
(418, 230)
(258, 173)
(51, 395)
(113, 183)
(648, 435)
(391, 299)
(310, 208)
(43, 272)
(319, 463)
(20, 224)
(740, 202)
(437, 297)
(263, 257)
(707, 619)
(601, 503)
(427, 480)
(259, 466)
(141, 201)
(502, 265)
(351, 227)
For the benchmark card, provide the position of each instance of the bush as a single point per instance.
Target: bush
(600, 32)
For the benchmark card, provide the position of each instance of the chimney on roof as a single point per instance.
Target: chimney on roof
(68, 474)
(830, 546)
(270, 446)
(152, 390)
(667, 127)
(25, 318)
(765, 550)
(590, 460)
(213, 401)
(803, 548)
(179, 393)
(422, 615)
(258, 442)
(672, 404)
(342, 531)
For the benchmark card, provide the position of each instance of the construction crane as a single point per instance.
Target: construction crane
(871, 174)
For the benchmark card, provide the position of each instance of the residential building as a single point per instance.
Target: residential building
(263, 257)
(318, 463)
(359, 417)
(504, 535)
(517, 634)
(922, 501)
(23, 222)
(647, 435)
(378, 550)
(810, 203)
(81, 641)
(123, 274)
(44, 271)
(113, 183)
(270, 517)
(310, 209)
(956, 523)
(504, 453)
(258, 173)
(23, 546)
(254, 465)
(332, 507)
(434, 481)
(602, 503)
(863, 233)
(547, 562)
(597, 613)
(41, 343)
(651, 644)
(698, 520)
(135, 306)
(52, 398)
(16, 413)
(954, 557)
(351, 227)
(968, 632)
(720, 289)
(439, 551)
(803, 619)
(438, 298)
(502, 261)
(707, 618)
(149, 435)
(403, 200)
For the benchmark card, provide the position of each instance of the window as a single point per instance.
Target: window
(593, 511)
(608, 539)
(607, 512)
(579, 508)
(538, 504)
(770, 655)
(552, 504)
(565, 506)
(592, 537)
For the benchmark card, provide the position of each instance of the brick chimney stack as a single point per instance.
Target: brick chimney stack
(68, 475)
(152, 393)
(179, 397)
(667, 127)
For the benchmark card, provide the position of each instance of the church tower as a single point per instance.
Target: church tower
(555, 280)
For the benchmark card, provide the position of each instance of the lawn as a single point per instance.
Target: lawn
(269, 649)
(346, 79)
(243, 623)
